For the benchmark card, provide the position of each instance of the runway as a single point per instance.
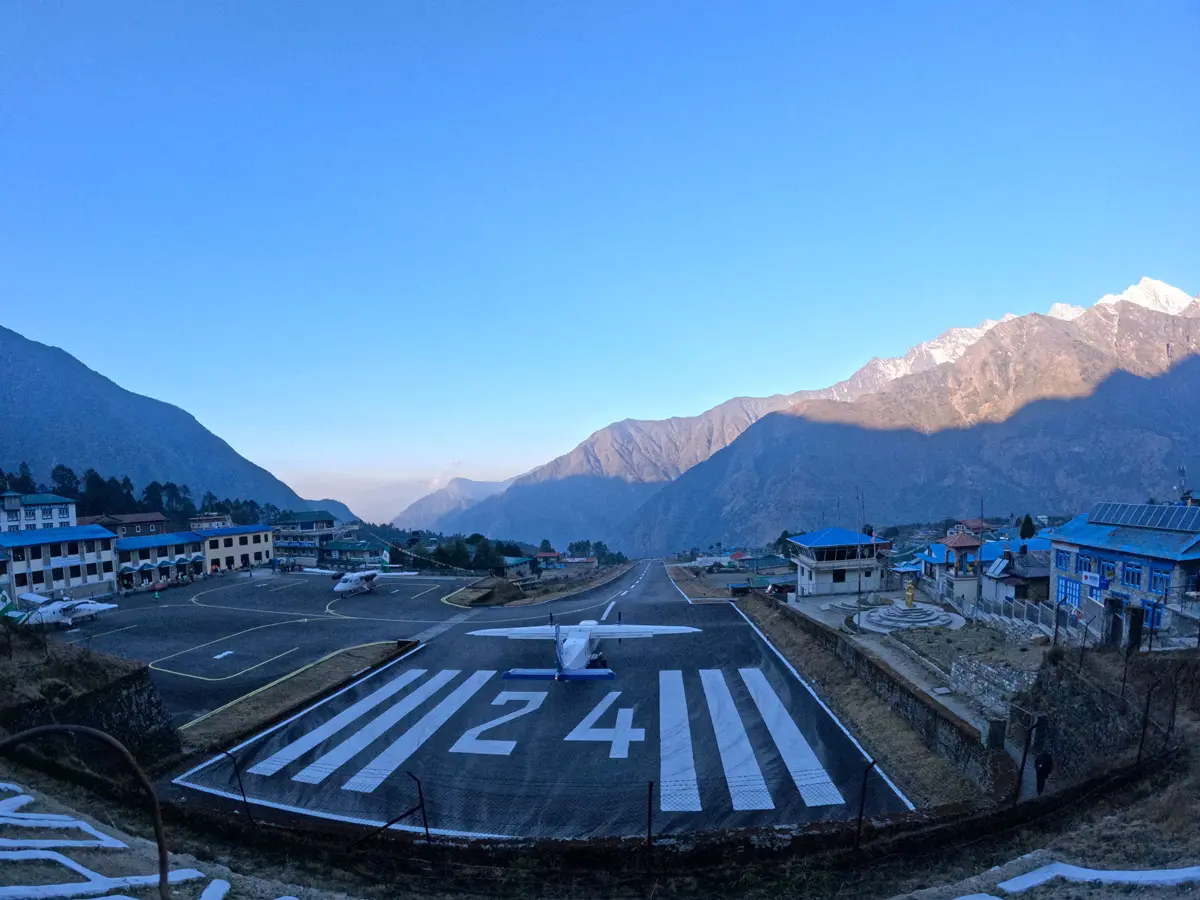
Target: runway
(697, 731)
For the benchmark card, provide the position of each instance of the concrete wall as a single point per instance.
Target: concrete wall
(128, 708)
(952, 737)
(993, 686)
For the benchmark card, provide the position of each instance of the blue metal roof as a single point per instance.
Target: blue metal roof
(1170, 545)
(934, 553)
(834, 537)
(226, 530)
(53, 536)
(158, 540)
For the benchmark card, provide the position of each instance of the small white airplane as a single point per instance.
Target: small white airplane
(53, 612)
(577, 654)
(356, 582)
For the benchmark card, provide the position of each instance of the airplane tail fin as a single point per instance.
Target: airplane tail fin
(559, 674)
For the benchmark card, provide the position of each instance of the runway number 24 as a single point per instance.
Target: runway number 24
(618, 737)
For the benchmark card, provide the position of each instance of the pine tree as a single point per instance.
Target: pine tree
(1028, 529)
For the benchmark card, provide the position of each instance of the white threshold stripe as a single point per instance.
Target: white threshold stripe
(382, 766)
(330, 762)
(829, 712)
(221, 757)
(607, 610)
(813, 782)
(678, 790)
(298, 748)
(747, 788)
(396, 591)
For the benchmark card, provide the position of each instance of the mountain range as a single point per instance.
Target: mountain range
(649, 486)
(57, 410)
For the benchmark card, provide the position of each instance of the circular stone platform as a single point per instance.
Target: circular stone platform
(885, 619)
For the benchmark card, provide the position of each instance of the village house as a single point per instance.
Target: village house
(1129, 568)
(129, 524)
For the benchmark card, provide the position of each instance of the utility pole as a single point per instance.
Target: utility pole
(858, 549)
(979, 561)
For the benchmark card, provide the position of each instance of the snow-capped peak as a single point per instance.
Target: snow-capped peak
(1152, 294)
(1065, 311)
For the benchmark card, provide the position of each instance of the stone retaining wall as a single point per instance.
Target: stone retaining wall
(992, 686)
(128, 708)
(952, 737)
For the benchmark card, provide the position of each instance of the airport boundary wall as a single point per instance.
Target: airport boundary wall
(949, 735)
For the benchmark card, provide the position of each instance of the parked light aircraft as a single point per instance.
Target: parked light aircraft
(577, 654)
(53, 612)
(356, 582)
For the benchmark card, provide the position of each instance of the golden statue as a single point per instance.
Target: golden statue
(908, 595)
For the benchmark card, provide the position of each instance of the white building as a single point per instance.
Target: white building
(838, 561)
(32, 512)
(301, 537)
(63, 562)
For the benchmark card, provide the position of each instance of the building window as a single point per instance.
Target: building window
(48, 525)
(39, 577)
(56, 574)
(1083, 564)
(258, 556)
(13, 515)
(21, 579)
(91, 568)
(214, 544)
(123, 556)
(72, 548)
(35, 552)
(107, 565)
(1094, 594)
(243, 541)
(867, 573)
(266, 554)
(839, 575)
(1108, 569)
(18, 554)
(56, 550)
(75, 571)
(258, 539)
(144, 553)
(229, 562)
(229, 543)
(1131, 575)
(1152, 615)
(47, 512)
(1062, 560)
(1159, 581)
(30, 514)
(137, 529)
(105, 543)
(63, 513)
(153, 528)
(31, 528)
(89, 546)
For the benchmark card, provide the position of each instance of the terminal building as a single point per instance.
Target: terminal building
(34, 512)
(155, 558)
(303, 537)
(63, 563)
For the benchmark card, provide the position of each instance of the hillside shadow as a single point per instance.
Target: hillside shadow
(1123, 441)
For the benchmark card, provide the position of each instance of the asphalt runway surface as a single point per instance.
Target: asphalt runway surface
(221, 638)
(697, 731)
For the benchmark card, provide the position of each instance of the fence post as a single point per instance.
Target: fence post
(649, 816)
(862, 803)
(1146, 718)
(237, 770)
(1024, 758)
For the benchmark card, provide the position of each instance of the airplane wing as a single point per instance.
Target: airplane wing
(88, 607)
(636, 631)
(547, 632)
(525, 633)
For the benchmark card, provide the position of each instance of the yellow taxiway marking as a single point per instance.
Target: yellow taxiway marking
(226, 677)
(282, 679)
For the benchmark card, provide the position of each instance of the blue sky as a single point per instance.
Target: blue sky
(470, 234)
